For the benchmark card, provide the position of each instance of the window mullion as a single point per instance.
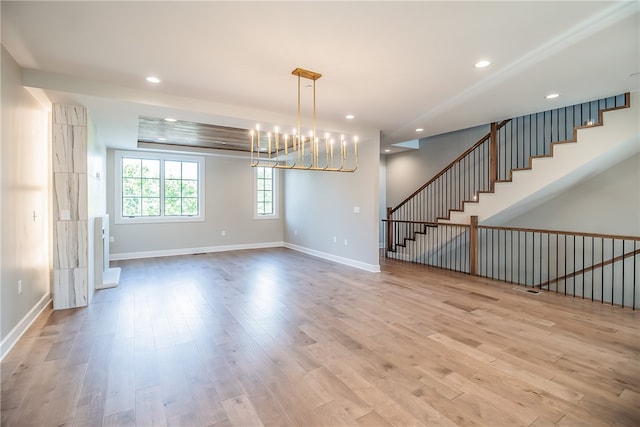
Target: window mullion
(121, 187)
(162, 188)
(141, 178)
(181, 183)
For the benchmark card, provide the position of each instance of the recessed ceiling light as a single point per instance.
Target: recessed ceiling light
(552, 95)
(162, 139)
(419, 130)
(169, 119)
(349, 116)
(387, 151)
(152, 79)
(483, 64)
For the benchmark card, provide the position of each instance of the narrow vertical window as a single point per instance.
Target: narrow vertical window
(264, 177)
(265, 193)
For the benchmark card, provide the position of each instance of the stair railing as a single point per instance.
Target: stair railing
(510, 145)
(597, 267)
(461, 180)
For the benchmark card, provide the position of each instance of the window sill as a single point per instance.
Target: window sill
(157, 220)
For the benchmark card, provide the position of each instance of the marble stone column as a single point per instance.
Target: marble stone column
(70, 203)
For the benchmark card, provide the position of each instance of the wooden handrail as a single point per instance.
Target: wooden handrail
(408, 221)
(427, 223)
(567, 233)
(592, 267)
(450, 165)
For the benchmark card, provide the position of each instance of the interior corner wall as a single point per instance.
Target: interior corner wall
(608, 203)
(96, 171)
(383, 199)
(24, 210)
(319, 206)
(408, 170)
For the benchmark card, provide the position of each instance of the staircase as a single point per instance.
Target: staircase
(595, 149)
(520, 163)
(450, 222)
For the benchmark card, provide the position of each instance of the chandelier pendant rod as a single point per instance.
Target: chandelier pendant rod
(315, 136)
(300, 149)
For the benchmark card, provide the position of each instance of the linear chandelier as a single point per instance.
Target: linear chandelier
(281, 150)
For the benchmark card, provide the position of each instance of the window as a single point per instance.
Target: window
(265, 193)
(155, 187)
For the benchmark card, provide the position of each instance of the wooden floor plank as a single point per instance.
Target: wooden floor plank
(278, 338)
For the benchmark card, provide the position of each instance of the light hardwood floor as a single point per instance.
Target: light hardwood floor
(276, 337)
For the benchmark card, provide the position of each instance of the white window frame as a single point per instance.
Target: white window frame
(274, 199)
(119, 154)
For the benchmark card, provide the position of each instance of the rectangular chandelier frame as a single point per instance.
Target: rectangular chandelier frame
(296, 151)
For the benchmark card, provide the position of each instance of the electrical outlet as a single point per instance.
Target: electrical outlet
(223, 232)
(19, 286)
(335, 239)
(345, 242)
(295, 232)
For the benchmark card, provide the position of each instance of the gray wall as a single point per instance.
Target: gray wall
(319, 206)
(408, 170)
(608, 203)
(382, 205)
(96, 172)
(25, 183)
(228, 207)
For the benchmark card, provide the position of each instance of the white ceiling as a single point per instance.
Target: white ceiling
(396, 66)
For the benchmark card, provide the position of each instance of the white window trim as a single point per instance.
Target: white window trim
(119, 219)
(274, 186)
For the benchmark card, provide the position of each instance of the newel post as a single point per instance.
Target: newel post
(493, 155)
(389, 230)
(473, 246)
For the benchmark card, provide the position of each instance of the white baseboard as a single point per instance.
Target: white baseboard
(110, 278)
(12, 337)
(373, 268)
(192, 251)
